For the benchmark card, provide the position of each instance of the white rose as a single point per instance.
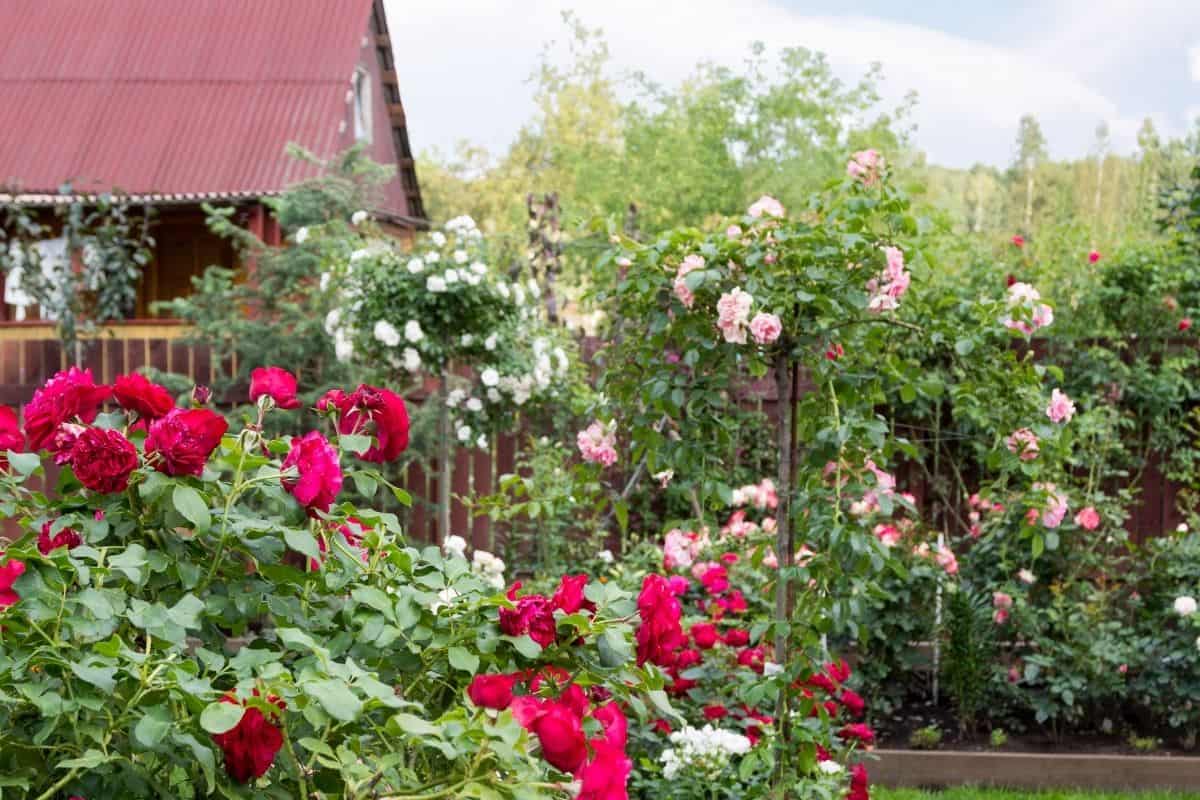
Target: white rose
(358, 217)
(474, 404)
(479, 268)
(456, 546)
(467, 340)
(490, 342)
(518, 294)
(489, 377)
(1185, 605)
(461, 257)
(606, 556)
(343, 346)
(412, 359)
(829, 767)
(302, 236)
(464, 433)
(325, 278)
(561, 356)
(438, 238)
(455, 397)
(482, 442)
(432, 257)
(413, 332)
(771, 668)
(362, 253)
(386, 333)
(416, 266)
(451, 276)
(502, 289)
(471, 278)
(445, 598)
(534, 289)
(435, 284)
(332, 320)
(1181, 528)
(493, 396)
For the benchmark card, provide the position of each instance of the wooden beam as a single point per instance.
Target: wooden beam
(383, 40)
(396, 113)
(390, 78)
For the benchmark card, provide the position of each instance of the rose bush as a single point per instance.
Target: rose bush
(195, 611)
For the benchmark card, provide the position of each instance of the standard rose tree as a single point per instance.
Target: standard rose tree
(195, 611)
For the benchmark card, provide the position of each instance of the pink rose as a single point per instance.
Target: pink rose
(765, 328)
(597, 444)
(1088, 519)
(276, 383)
(1023, 443)
(1061, 409)
(766, 206)
(316, 475)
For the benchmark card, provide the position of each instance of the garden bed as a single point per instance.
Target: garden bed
(939, 769)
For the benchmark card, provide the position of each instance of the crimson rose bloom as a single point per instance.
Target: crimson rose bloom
(103, 460)
(857, 731)
(69, 394)
(557, 727)
(660, 634)
(251, 745)
(715, 711)
(183, 440)
(11, 437)
(704, 634)
(9, 572)
(533, 615)
(67, 537)
(569, 595)
(852, 702)
(736, 637)
(858, 783)
(715, 580)
(753, 658)
(612, 720)
(134, 392)
(320, 474)
(371, 411)
(605, 776)
(493, 691)
(277, 383)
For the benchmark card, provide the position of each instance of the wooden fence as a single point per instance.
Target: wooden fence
(30, 354)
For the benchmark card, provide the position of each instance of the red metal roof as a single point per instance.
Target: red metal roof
(175, 97)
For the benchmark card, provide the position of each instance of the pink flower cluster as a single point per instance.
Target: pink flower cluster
(598, 444)
(1003, 604)
(979, 507)
(941, 554)
(1023, 443)
(1027, 298)
(1056, 506)
(885, 485)
(761, 495)
(887, 289)
(1061, 408)
(766, 206)
(865, 166)
(690, 263)
(733, 314)
(680, 548)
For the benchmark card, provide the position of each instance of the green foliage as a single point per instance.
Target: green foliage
(927, 738)
(969, 653)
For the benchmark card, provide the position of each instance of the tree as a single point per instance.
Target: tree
(1030, 153)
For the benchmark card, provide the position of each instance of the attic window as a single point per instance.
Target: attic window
(362, 105)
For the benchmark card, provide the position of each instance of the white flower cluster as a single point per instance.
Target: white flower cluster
(455, 546)
(706, 750)
(489, 568)
(1185, 605)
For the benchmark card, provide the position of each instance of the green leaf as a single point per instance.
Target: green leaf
(463, 660)
(412, 726)
(335, 697)
(130, 561)
(152, 727)
(525, 645)
(24, 463)
(302, 542)
(220, 717)
(376, 599)
(614, 648)
(355, 443)
(89, 760)
(100, 677)
(191, 506)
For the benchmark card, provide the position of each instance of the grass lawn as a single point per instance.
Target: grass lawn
(967, 793)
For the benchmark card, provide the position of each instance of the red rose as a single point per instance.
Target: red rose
(729, 559)
(715, 711)
(736, 637)
(533, 615)
(492, 691)
(9, 572)
(838, 670)
(662, 726)
(68, 395)
(251, 745)
(67, 537)
(605, 776)
(687, 659)
(1185, 323)
(857, 731)
(317, 476)
(612, 720)
(852, 702)
(679, 585)
(134, 392)
(715, 580)
(705, 635)
(753, 658)
(11, 437)
(660, 634)
(275, 382)
(182, 441)
(103, 460)
(1018, 240)
(1093, 256)
(371, 411)
(858, 783)
(557, 727)
(569, 595)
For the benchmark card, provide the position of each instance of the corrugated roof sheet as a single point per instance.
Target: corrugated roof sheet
(177, 97)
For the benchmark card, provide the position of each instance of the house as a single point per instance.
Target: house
(175, 103)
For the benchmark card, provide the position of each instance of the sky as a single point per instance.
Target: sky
(976, 66)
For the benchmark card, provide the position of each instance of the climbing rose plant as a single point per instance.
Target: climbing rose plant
(197, 610)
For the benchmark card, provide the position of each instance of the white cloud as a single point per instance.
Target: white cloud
(463, 67)
(1194, 62)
